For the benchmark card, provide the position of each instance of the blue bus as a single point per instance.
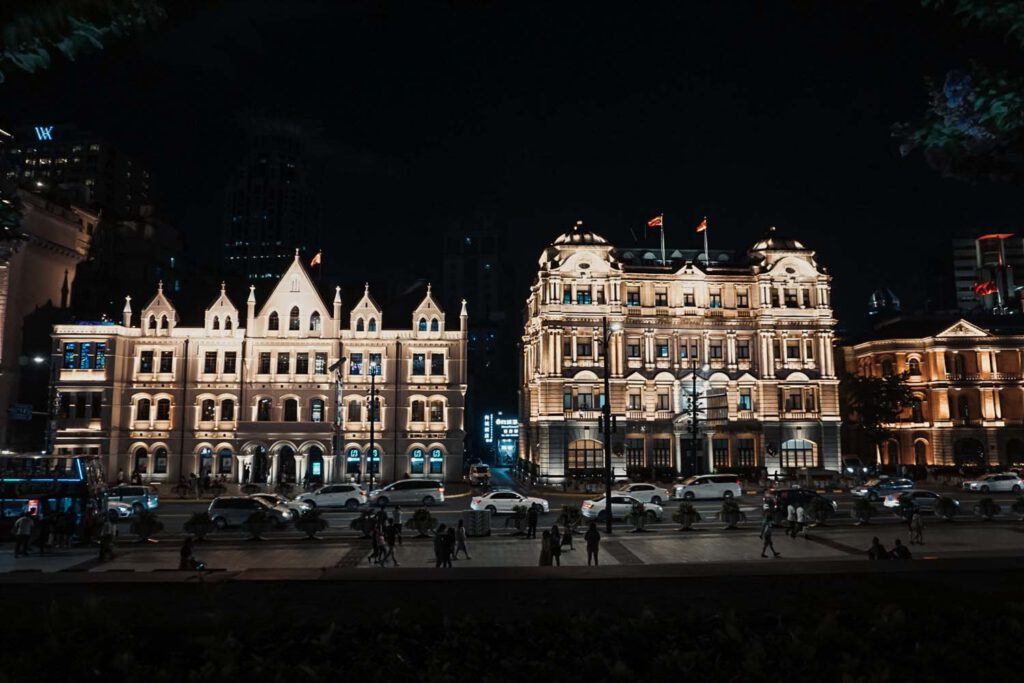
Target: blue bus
(49, 484)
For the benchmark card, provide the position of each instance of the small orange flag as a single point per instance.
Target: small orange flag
(656, 222)
(703, 225)
(316, 259)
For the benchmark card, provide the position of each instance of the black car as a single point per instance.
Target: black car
(796, 497)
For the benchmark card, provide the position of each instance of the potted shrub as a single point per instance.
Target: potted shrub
(199, 524)
(423, 522)
(731, 513)
(686, 516)
(820, 510)
(145, 525)
(311, 523)
(570, 518)
(1018, 508)
(639, 516)
(986, 508)
(257, 524)
(863, 511)
(945, 508)
(363, 523)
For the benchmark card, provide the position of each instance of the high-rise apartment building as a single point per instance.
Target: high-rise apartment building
(985, 273)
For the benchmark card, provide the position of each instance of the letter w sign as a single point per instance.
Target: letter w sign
(44, 132)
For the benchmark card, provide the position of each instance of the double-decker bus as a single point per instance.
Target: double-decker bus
(48, 484)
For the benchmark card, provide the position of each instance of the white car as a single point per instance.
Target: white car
(995, 482)
(621, 507)
(645, 493)
(919, 499)
(335, 496)
(117, 510)
(299, 507)
(499, 502)
(709, 486)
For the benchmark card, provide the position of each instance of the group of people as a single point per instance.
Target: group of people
(52, 530)
(553, 540)
(448, 543)
(915, 529)
(385, 535)
(796, 525)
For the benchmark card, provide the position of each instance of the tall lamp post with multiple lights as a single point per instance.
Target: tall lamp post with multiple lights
(373, 412)
(336, 369)
(608, 425)
(694, 426)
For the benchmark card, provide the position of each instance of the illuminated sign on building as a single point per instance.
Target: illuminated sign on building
(44, 132)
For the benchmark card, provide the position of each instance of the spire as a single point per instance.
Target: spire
(296, 254)
(223, 286)
(252, 294)
(337, 295)
(464, 319)
(64, 289)
(126, 312)
(366, 289)
(160, 287)
(464, 313)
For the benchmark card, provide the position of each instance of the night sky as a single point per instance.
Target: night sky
(534, 114)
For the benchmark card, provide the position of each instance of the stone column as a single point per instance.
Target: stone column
(329, 468)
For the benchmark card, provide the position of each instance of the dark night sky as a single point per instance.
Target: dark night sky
(538, 113)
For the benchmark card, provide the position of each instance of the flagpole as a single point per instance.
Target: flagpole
(663, 261)
(707, 261)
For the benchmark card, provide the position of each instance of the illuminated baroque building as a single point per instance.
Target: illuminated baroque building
(966, 377)
(254, 397)
(755, 327)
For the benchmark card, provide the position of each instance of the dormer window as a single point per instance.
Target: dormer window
(227, 323)
(314, 322)
(216, 322)
(423, 325)
(359, 325)
(372, 326)
(152, 322)
(273, 322)
(293, 320)
(434, 326)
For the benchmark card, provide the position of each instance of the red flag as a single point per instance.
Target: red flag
(316, 259)
(656, 222)
(703, 225)
(985, 288)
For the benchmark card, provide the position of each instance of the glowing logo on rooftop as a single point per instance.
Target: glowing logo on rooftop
(44, 132)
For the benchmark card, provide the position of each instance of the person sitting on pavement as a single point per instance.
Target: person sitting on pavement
(877, 551)
(899, 551)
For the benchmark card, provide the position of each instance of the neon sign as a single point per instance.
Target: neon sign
(44, 133)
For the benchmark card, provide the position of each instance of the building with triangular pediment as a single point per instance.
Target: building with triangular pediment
(747, 335)
(968, 388)
(292, 391)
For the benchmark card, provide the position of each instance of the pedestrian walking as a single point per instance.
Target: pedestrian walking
(899, 551)
(877, 551)
(23, 533)
(439, 547)
(460, 540)
(917, 528)
(396, 519)
(449, 545)
(556, 545)
(766, 536)
(801, 522)
(593, 539)
(531, 522)
(545, 549)
(381, 543)
(375, 548)
(107, 532)
(390, 536)
(791, 520)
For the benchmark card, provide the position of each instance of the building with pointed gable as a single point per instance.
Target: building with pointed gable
(281, 394)
(752, 331)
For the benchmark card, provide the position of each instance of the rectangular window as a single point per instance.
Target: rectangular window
(663, 402)
(355, 412)
(264, 364)
(694, 351)
(302, 365)
(166, 361)
(775, 297)
(583, 295)
(97, 404)
(745, 453)
(661, 348)
(807, 298)
(567, 348)
(661, 453)
(85, 358)
(230, 360)
(743, 349)
(586, 400)
(794, 401)
(720, 453)
(809, 403)
(101, 356)
(689, 299)
(682, 349)
(320, 363)
(792, 349)
(376, 365)
(632, 296)
(661, 298)
(145, 361)
(715, 300)
(566, 295)
(283, 362)
(316, 410)
(809, 350)
(419, 364)
(634, 401)
(355, 364)
(635, 453)
(437, 364)
(791, 298)
(584, 347)
(436, 412)
(71, 355)
(715, 350)
(742, 299)
(80, 403)
(210, 362)
(567, 399)
(160, 462)
(746, 401)
(633, 348)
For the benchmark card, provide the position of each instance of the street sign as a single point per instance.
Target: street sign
(21, 412)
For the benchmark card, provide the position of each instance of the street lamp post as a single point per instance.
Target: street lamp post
(694, 427)
(373, 419)
(338, 407)
(607, 426)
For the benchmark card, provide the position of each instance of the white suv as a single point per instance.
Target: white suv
(646, 493)
(709, 486)
(335, 496)
(1007, 481)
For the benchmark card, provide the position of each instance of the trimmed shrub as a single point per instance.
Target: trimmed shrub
(686, 515)
(199, 525)
(145, 525)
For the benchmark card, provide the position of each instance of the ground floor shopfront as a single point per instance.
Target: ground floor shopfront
(966, 445)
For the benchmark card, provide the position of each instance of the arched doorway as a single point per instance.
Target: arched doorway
(260, 465)
(1015, 452)
(205, 460)
(140, 460)
(315, 465)
(892, 450)
(353, 464)
(224, 458)
(969, 452)
(584, 457)
(286, 464)
(920, 453)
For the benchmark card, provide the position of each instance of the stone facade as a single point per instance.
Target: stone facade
(264, 397)
(756, 329)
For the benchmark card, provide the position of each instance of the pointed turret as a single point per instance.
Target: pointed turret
(464, 319)
(336, 310)
(250, 310)
(126, 312)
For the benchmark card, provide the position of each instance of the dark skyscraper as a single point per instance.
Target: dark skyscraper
(271, 205)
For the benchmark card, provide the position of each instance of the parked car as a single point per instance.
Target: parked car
(117, 510)
(299, 507)
(880, 488)
(139, 497)
(796, 497)
(228, 511)
(709, 486)
(504, 501)
(918, 498)
(621, 507)
(479, 475)
(645, 493)
(409, 491)
(349, 496)
(1001, 482)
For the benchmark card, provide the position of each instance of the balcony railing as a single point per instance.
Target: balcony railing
(634, 415)
(746, 415)
(800, 415)
(578, 414)
(962, 376)
(664, 415)
(966, 422)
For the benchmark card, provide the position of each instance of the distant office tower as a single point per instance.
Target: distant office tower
(984, 273)
(79, 166)
(271, 204)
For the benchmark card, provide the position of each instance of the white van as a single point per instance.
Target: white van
(709, 486)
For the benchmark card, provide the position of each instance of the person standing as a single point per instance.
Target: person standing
(396, 519)
(460, 540)
(801, 522)
(107, 532)
(556, 545)
(917, 528)
(439, 546)
(766, 536)
(381, 543)
(23, 533)
(120, 477)
(449, 546)
(390, 536)
(531, 522)
(545, 549)
(593, 539)
(791, 520)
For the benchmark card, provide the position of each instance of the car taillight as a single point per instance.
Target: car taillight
(739, 482)
(441, 489)
(476, 501)
(588, 505)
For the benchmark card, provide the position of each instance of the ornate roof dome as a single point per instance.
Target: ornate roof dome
(579, 236)
(774, 242)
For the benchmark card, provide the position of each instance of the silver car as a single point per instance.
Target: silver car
(228, 511)
(139, 497)
(996, 483)
(299, 507)
(425, 492)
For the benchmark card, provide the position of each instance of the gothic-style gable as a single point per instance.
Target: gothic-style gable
(428, 318)
(294, 307)
(159, 316)
(365, 317)
(221, 315)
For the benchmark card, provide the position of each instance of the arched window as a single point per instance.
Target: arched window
(316, 410)
(436, 461)
(224, 461)
(293, 320)
(963, 407)
(372, 326)
(160, 461)
(227, 323)
(416, 461)
(359, 325)
(914, 367)
(163, 322)
(314, 322)
(887, 368)
(798, 453)
(585, 455)
(263, 407)
(920, 453)
(227, 410)
(141, 460)
(273, 322)
(152, 322)
(423, 324)
(216, 322)
(163, 409)
(434, 326)
(142, 409)
(418, 411)
(291, 410)
(355, 412)
(207, 410)
(205, 460)
(437, 411)
(917, 409)
(353, 462)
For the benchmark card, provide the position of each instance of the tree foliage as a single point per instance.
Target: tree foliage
(870, 404)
